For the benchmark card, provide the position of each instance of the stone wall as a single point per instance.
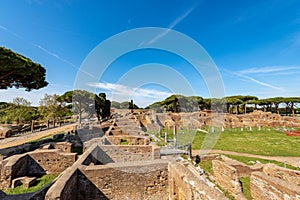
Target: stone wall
(227, 177)
(204, 118)
(35, 163)
(53, 160)
(267, 187)
(104, 154)
(134, 180)
(130, 139)
(242, 169)
(185, 183)
(275, 183)
(287, 175)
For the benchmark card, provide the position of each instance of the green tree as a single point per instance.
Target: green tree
(102, 106)
(276, 101)
(290, 103)
(19, 111)
(51, 108)
(233, 101)
(20, 72)
(82, 101)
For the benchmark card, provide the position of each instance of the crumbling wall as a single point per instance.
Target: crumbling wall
(138, 180)
(275, 182)
(130, 139)
(53, 160)
(227, 177)
(63, 146)
(267, 187)
(104, 154)
(35, 163)
(186, 183)
(284, 174)
(132, 180)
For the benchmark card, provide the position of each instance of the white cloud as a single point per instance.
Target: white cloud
(141, 96)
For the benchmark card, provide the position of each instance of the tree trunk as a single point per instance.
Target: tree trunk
(32, 126)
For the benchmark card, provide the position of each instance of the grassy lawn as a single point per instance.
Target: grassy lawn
(42, 182)
(264, 142)
(267, 141)
(251, 161)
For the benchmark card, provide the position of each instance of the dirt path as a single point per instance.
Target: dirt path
(14, 141)
(289, 160)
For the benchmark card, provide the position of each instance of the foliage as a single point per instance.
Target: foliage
(20, 72)
(123, 105)
(42, 182)
(82, 101)
(124, 142)
(178, 103)
(51, 109)
(102, 106)
(234, 104)
(20, 112)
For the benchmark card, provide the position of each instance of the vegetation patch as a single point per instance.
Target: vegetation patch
(124, 142)
(42, 182)
(245, 181)
(206, 165)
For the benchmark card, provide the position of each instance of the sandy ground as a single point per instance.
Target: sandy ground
(289, 160)
(14, 141)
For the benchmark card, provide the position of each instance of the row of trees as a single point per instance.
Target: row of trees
(231, 104)
(54, 107)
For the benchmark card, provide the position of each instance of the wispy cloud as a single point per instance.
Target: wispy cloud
(118, 89)
(246, 77)
(4, 28)
(119, 92)
(268, 69)
(173, 24)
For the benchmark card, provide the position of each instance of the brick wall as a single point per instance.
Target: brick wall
(185, 183)
(275, 183)
(227, 177)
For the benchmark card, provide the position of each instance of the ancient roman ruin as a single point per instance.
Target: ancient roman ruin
(121, 161)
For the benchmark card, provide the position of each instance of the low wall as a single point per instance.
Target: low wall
(104, 154)
(53, 160)
(133, 180)
(35, 163)
(227, 177)
(287, 175)
(130, 139)
(267, 187)
(186, 183)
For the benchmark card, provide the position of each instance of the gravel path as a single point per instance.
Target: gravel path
(289, 160)
(14, 141)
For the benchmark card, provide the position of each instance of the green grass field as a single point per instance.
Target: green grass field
(264, 142)
(268, 141)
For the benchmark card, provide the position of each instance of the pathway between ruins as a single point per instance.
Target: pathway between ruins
(14, 141)
(289, 160)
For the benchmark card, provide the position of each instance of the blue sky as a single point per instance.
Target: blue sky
(254, 44)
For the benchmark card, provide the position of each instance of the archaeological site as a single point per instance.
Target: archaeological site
(122, 158)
